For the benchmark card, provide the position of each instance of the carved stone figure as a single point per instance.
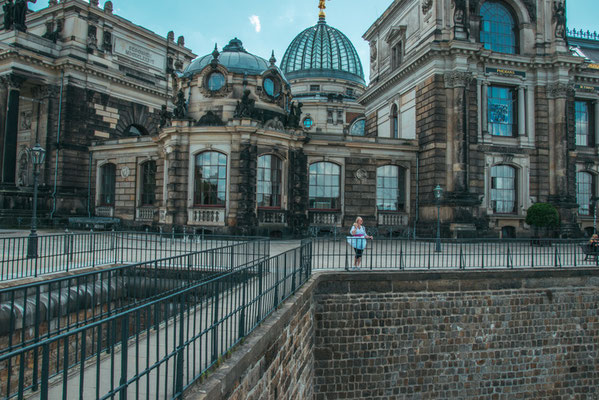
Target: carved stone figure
(459, 15)
(51, 33)
(95, 3)
(20, 13)
(210, 119)
(108, 7)
(274, 123)
(8, 9)
(165, 117)
(107, 42)
(295, 113)
(245, 107)
(531, 7)
(170, 36)
(373, 51)
(92, 39)
(180, 105)
(559, 17)
(426, 6)
(181, 41)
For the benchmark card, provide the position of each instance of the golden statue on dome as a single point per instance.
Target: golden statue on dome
(322, 6)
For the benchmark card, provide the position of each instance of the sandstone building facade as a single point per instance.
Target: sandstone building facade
(492, 100)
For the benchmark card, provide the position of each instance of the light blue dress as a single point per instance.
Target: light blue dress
(358, 240)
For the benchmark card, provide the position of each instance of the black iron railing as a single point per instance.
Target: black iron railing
(32, 312)
(69, 251)
(156, 350)
(581, 34)
(455, 254)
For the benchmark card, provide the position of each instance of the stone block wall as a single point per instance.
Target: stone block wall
(457, 335)
(275, 362)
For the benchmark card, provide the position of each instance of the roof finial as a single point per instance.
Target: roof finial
(272, 60)
(322, 6)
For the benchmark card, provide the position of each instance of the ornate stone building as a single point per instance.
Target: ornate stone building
(493, 100)
(71, 74)
(505, 107)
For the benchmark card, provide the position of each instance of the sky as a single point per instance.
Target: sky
(266, 25)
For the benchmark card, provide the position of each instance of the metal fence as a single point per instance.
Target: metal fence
(32, 312)
(69, 251)
(156, 350)
(453, 254)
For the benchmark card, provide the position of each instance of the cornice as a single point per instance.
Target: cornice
(477, 54)
(69, 64)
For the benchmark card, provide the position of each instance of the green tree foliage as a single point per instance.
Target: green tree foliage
(542, 215)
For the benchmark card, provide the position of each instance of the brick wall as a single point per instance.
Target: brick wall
(452, 335)
(274, 362)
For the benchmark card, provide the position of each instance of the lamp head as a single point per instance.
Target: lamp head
(38, 154)
(438, 191)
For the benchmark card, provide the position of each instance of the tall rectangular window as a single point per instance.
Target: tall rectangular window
(107, 184)
(584, 192)
(583, 121)
(148, 183)
(503, 189)
(269, 181)
(502, 106)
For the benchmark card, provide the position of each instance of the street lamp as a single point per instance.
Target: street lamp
(38, 154)
(594, 201)
(438, 191)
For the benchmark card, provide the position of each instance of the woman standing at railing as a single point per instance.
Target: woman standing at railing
(357, 240)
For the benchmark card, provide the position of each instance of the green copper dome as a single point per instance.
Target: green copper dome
(322, 51)
(234, 57)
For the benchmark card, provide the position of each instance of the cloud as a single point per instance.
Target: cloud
(255, 20)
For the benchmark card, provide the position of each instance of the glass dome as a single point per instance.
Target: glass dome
(234, 57)
(322, 51)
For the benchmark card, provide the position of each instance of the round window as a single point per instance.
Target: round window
(308, 122)
(270, 87)
(216, 81)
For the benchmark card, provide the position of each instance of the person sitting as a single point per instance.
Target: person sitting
(594, 241)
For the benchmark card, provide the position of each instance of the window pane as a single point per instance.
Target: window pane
(324, 185)
(269, 181)
(500, 110)
(389, 189)
(584, 192)
(581, 114)
(498, 29)
(210, 181)
(503, 189)
(107, 184)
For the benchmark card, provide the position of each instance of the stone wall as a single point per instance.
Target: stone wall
(457, 335)
(275, 362)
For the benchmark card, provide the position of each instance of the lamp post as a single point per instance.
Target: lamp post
(38, 154)
(438, 192)
(594, 201)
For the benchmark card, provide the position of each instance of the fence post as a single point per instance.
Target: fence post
(45, 371)
(124, 356)
(244, 280)
(215, 320)
(179, 373)
(461, 257)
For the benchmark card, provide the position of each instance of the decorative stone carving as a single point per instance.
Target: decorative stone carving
(295, 114)
(459, 13)
(457, 79)
(23, 168)
(180, 106)
(20, 13)
(95, 3)
(170, 36)
(508, 158)
(12, 81)
(361, 175)
(274, 123)
(245, 107)
(8, 9)
(210, 119)
(25, 121)
(108, 7)
(181, 41)
(373, 51)
(51, 33)
(125, 172)
(107, 42)
(92, 39)
(427, 5)
(558, 90)
(531, 7)
(165, 117)
(559, 18)
(589, 165)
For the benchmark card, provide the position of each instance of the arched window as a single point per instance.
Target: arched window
(390, 188)
(585, 189)
(357, 128)
(325, 183)
(148, 183)
(498, 30)
(270, 170)
(107, 184)
(136, 130)
(394, 122)
(210, 179)
(503, 189)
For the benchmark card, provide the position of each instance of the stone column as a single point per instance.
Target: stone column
(11, 127)
(558, 95)
(521, 112)
(247, 220)
(485, 109)
(3, 102)
(457, 126)
(596, 121)
(530, 115)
